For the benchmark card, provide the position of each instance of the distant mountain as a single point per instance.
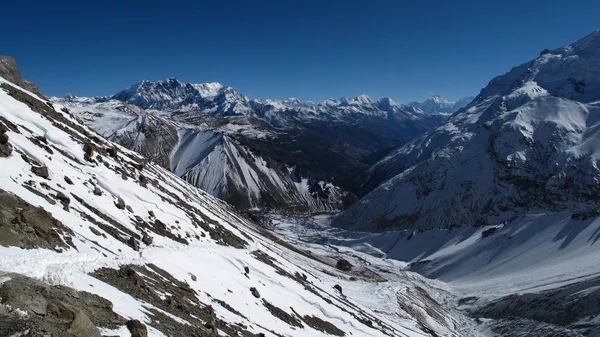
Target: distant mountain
(258, 154)
(437, 104)
(529, 142)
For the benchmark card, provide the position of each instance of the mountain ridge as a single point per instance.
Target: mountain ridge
(320, 145)
(527, 136)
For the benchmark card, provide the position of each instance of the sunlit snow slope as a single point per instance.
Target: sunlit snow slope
(180, 261)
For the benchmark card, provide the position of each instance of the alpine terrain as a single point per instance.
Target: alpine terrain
(257, 154)
(183, 209)
(502, 200)
(437, 104)
(96, 240)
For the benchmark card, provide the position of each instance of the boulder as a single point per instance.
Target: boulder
(41, 171)
(82, 326)
(343, 265)
(136, 328)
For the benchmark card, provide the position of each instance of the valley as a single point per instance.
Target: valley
(183, 209)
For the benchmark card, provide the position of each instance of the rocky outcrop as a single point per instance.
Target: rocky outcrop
(10, 72)
(43, 310)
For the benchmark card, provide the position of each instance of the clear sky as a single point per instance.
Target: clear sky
(309, 49)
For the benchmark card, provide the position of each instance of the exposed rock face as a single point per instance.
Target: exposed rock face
(10, 71)
(29, 304)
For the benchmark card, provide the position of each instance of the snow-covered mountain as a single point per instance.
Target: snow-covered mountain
(256, 154)
(95, 240)
(529, 142)
(437, 104)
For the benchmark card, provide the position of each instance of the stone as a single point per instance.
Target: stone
(120, 203)
(129, 208)
(38, 219)
(338, 288)
(147, 239)
(88, 150)
(255, 292)
(112, 151)
(5, 150)
(143, 180)
(97, 190)
(82, 326)
(343, 265)
(41, 171)
(136, 328)
(68, 180)
(133, 243)
(193, 277)
(246, 269)
(63, 198)
(95, 231)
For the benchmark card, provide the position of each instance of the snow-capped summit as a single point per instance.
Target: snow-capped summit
(173, 95)
(437, 104)
(530, 141)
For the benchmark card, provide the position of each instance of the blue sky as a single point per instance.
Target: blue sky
(310, 49)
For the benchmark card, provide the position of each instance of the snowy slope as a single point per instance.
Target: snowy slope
(534, 275)
(162, 251)
(527, 143)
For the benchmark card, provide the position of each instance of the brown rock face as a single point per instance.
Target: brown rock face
(10, 72)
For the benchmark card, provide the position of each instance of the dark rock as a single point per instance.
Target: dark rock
(55, 310)
(147, 239)
(97, 190)
(63, 198)
(193, 277)
(246, 269)
(3, 138)
(133, 243)
(112, 151)
(338, 288)
(37, 218)
(88, 151)
(5, 150)
(10, 71)
(143, 180)
(343, 265)
(82, 326)
(255, 292)
(129, 208)
(151, 214)
(95, 231)
(68, 180)
(120, 203)
(136, 328)
(41, 171)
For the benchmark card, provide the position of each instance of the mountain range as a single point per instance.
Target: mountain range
(283, 155)
(437, 104)
(527, 142)
(185, 209)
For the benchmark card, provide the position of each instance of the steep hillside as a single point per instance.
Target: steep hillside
(527, 143)
(96, 241)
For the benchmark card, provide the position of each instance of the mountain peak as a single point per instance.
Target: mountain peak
(364, 99)
(438, 104)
